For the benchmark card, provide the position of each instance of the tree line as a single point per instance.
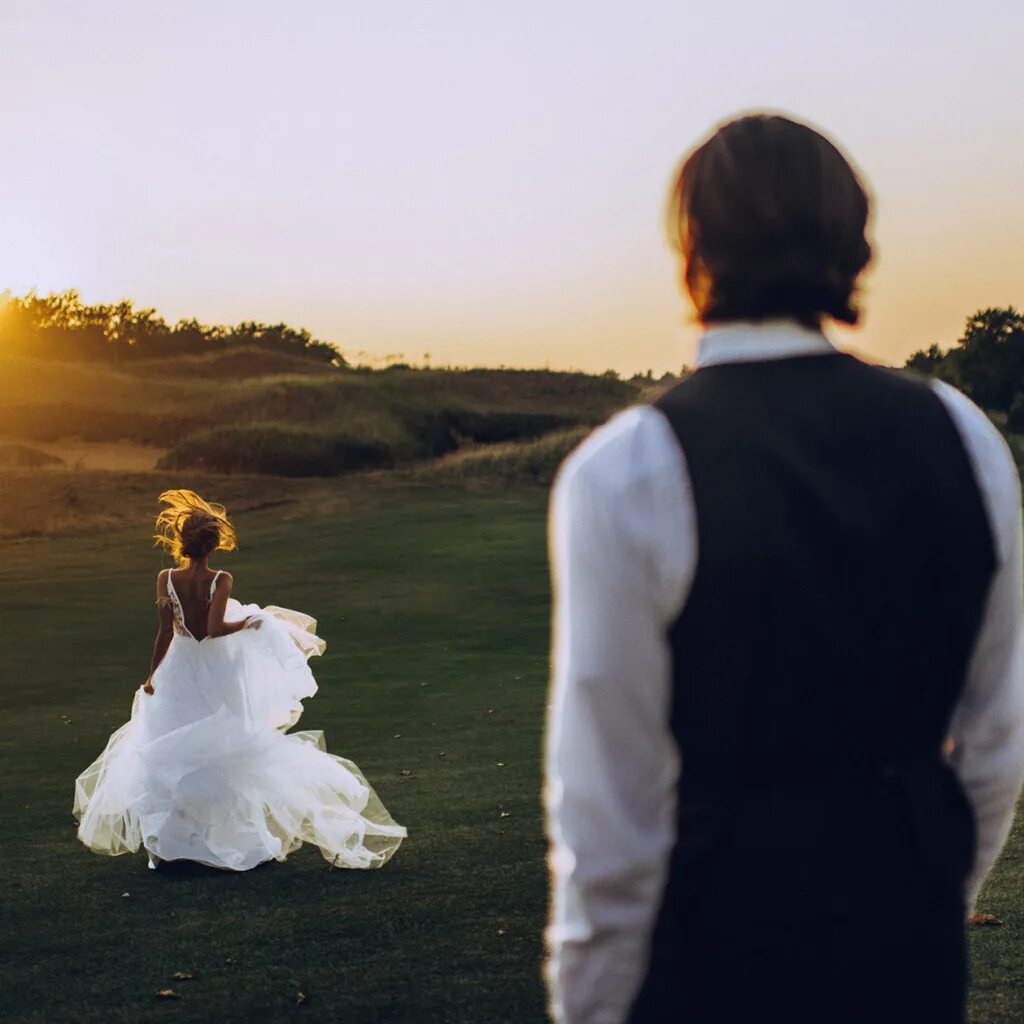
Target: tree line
(986, 363)
(62, 326)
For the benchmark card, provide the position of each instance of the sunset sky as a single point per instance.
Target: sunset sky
(485, 182)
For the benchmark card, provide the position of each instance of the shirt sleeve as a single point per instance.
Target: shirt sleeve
(623, 548)
(988, 724)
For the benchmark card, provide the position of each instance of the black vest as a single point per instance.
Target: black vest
(844, 559)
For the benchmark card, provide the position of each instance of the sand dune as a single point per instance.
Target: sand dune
(122, 456)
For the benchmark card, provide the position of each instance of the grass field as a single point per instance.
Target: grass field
(186, 412)
(434, 601)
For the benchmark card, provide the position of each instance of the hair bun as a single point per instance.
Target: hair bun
(190, 527)
(200, 535)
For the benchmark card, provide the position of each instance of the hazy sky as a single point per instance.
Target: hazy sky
(484, 181)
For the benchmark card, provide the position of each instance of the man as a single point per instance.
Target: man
(786, 732)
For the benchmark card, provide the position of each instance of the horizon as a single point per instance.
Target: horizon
(487, 186)
(362, 361)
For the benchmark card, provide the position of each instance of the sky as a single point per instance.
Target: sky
(485, 182)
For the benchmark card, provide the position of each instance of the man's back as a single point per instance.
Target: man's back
(776, 594)
(773, 592)
(844, 559)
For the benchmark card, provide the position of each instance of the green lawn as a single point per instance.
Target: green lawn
(434, 604)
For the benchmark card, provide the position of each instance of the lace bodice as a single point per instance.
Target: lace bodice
(177, 611)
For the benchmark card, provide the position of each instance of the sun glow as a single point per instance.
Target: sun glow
(482, 183)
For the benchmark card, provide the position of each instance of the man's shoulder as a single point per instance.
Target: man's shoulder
(989, 451)
(633, 445)
(963, 409)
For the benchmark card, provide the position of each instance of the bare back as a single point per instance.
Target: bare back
(194, 592)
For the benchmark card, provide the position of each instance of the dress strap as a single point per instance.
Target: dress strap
(213, 582)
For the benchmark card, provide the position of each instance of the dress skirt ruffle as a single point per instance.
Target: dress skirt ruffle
(205, 770)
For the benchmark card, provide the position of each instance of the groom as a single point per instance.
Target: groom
(786, 732)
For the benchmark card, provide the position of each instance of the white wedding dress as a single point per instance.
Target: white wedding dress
(205, 771)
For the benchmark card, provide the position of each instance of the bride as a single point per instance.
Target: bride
(205, 770)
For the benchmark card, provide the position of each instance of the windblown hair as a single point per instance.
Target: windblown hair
(190, 527)
(769, 217)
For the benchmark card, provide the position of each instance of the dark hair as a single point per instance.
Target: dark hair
(770, 220)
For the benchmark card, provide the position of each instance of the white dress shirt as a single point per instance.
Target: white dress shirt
(624, 550)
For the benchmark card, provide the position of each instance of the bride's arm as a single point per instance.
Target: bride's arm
(215, 624)
(165, 629)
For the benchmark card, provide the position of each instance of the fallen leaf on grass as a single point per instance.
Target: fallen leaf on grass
(125, 895)
(167, 993)
(984, 920)
(183, 976)
(300, 998)
(505, 814)
(405, 771)
(501, 931)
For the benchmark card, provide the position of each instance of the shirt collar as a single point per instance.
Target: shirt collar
(741, 341)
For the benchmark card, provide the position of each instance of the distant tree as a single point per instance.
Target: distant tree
(192, 337)
(991, 362)
(987, 361)
(642, 378)
(282, 338)
(926, 360)
(62, 326)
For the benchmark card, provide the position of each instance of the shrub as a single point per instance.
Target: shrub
(276, 451)
(497, 426)
(440, 431)
(527, 462)
(231, 363)
(1015, 420)
(430, 430)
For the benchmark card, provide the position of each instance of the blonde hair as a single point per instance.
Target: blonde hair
(190, 527)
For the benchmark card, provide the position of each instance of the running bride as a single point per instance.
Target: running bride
(206, 770)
